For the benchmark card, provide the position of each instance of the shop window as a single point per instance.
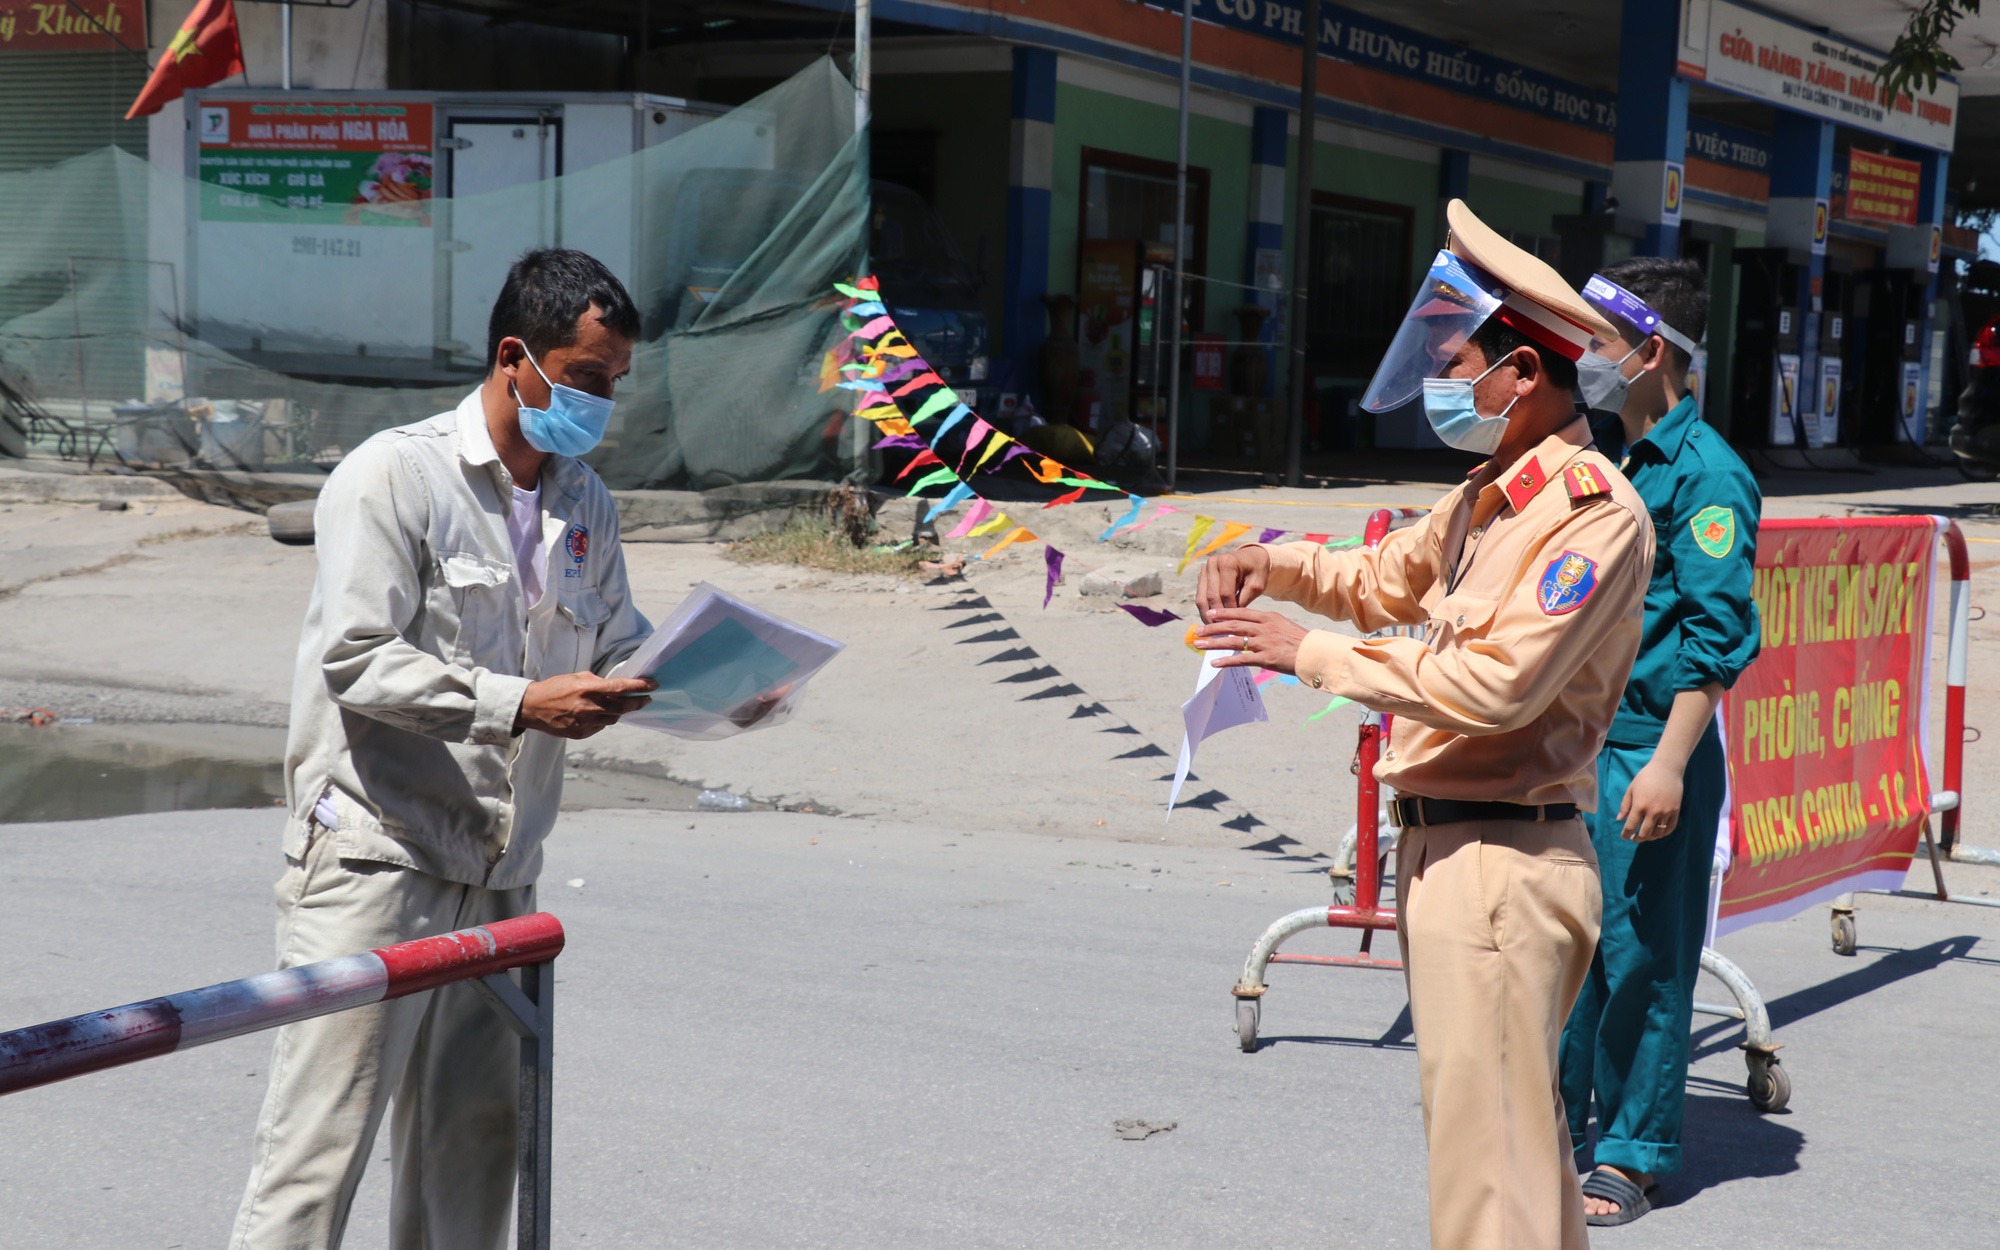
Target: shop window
(1130, 197)
(1360, 283)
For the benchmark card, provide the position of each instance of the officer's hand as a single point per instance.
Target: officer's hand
(1232, 579)
(577, 705)
(1264, 639)
(1652, 805)
(749, 713)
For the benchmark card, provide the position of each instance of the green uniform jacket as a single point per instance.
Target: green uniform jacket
(1701, 622)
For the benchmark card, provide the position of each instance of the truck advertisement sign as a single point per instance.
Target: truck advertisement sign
(315, 161)
(1825, 729)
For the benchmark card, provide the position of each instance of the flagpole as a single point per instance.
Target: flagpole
(1173, 312)
(1302, 206)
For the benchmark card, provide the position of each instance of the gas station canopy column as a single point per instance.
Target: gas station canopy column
(1649, 149)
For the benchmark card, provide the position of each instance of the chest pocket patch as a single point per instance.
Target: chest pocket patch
(576, 546)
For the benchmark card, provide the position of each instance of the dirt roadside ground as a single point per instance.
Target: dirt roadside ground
(956, 702)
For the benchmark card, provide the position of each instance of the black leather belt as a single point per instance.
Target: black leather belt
(1412, 811)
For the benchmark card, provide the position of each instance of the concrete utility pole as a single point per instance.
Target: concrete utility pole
(1295, 330)
(864, 19)
(285, 37)
(863, 37)
(1173, 361)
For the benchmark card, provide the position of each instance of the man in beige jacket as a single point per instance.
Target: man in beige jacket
(1530, 578)
(471, 591)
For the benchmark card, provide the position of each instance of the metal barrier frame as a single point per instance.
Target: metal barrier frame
(45, 1053)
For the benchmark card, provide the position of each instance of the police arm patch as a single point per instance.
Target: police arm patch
(1714, 530)
(1566, 583)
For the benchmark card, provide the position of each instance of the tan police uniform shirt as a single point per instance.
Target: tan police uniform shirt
(1532, 589)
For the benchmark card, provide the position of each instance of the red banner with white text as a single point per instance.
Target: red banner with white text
(1825, 729)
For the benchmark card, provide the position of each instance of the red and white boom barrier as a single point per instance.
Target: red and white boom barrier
(60, 1049)
(482, 956)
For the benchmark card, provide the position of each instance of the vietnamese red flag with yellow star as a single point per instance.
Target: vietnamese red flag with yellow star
(206, 50)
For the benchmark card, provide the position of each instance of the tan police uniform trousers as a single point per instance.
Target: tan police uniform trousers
(451, 1066)
(1497, 921)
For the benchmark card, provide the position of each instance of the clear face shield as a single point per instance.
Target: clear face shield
(1601, 376)
(1455, 299)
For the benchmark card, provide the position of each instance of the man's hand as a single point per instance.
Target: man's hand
(577, 705)
(1652, 805)
(1232, 579)
(1264, 639)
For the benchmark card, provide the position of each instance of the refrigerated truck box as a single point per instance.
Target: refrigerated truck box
(364, 235)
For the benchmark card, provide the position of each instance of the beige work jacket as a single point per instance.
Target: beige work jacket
(1531, 589)
(418, 645)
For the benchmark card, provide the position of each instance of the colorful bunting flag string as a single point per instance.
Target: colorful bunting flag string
(921, 410)
(978, 512)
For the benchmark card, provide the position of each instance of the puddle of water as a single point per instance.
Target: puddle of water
(84, 772)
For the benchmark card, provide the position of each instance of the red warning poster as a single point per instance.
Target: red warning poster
(1825, 729)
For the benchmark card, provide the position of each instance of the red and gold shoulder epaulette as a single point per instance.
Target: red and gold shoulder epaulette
(1584, 482)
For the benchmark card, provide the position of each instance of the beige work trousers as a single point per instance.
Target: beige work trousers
(1497, 920)
(452, 1067)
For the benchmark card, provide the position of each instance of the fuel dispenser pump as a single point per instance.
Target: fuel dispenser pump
(1833, 378)
(1892, 409)
(1766, 409)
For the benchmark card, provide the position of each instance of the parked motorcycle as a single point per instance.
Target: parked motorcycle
(1975, 439)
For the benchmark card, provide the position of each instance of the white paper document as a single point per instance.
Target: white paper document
(723, 667)
(1223, 699)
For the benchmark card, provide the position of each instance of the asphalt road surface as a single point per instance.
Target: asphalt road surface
(793, 1029)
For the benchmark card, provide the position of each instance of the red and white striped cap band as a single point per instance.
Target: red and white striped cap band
(1544, 325)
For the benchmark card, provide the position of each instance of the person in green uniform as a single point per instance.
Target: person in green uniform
(1661, 777)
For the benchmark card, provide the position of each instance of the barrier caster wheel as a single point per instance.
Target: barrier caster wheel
(1844, 935)
(1246, 1024)
(1769, 1086)
(1343, 893)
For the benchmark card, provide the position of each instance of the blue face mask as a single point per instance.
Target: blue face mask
(571, 425)
(1454, 414)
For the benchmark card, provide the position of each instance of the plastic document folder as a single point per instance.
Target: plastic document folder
(724, 667)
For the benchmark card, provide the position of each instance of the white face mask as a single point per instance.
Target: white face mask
(1454, 413)
(1602, 382)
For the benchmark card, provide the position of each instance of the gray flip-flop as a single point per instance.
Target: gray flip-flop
(1611, 1187)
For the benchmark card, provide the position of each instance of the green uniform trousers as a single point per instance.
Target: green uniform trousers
(1627, 1038)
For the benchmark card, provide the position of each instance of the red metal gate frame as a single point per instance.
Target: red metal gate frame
(1366, 913)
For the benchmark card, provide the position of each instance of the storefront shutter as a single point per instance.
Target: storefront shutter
(55, 105)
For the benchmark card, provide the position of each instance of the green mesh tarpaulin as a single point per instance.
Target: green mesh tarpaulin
(237, 323)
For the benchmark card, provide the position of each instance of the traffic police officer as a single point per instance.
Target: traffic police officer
(1661, 780)
(1530, 578)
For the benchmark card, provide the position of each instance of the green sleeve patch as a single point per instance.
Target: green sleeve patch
(1714, 530)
